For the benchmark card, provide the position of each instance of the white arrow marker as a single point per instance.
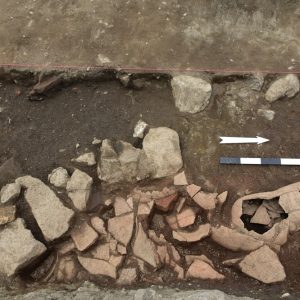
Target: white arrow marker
(242, 140)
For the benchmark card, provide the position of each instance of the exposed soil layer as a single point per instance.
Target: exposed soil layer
(42, 135)
(206, 34)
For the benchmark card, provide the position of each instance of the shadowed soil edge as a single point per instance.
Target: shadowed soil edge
(41, 133)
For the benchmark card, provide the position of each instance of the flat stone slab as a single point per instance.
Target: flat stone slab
(234, 240)
(84, 236)
(203, 270)
(121, 228)
(51, 215)
(263, 265)
(18, 248)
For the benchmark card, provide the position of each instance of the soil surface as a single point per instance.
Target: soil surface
(42, 135)
(206, 34)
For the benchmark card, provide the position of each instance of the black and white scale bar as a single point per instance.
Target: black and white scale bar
(259, 161)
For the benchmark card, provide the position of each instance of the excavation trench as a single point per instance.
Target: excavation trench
(46, 130)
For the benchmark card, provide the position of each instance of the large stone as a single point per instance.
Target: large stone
(7, 214)
(10, 192)
(84, 236)
(234, 240)
(18, 248)
(51, 215)
(263, 265)
(59, 177)
(191, 94)
(287, 86)
(79, 189)
(98, 267)
(121, 228)
(203, 270)
(144, 248)
(194, 236)
(121, 163)
(161, 146)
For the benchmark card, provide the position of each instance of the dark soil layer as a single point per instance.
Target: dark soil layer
(42, 135)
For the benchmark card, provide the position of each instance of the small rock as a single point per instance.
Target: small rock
(139, 129)
(222, 198)
(46, 84)
(10, 192)
(138, 83)
(96, 141)
(87, 159)
(125, 79)
(263, 265)
(193, 189)
(18, 248)
(52, 217)
(206, 200)
(59, 177)
(121, 206)
(234, 240)
(98, 267)
(261, 216)
(202, 270)
(84, 236)
(121, 228)
(79, 189)
(180, 204)
(127, 276)
(166, 203)
(266, 113)
(144, 248)
(191, 94)
(7, 214)
(231, 262)
(180, 179)
(256, 81)
(101, 251)
(98, 225)
(103, 60)
(287, 86)
(161, 146)
(194, 236)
